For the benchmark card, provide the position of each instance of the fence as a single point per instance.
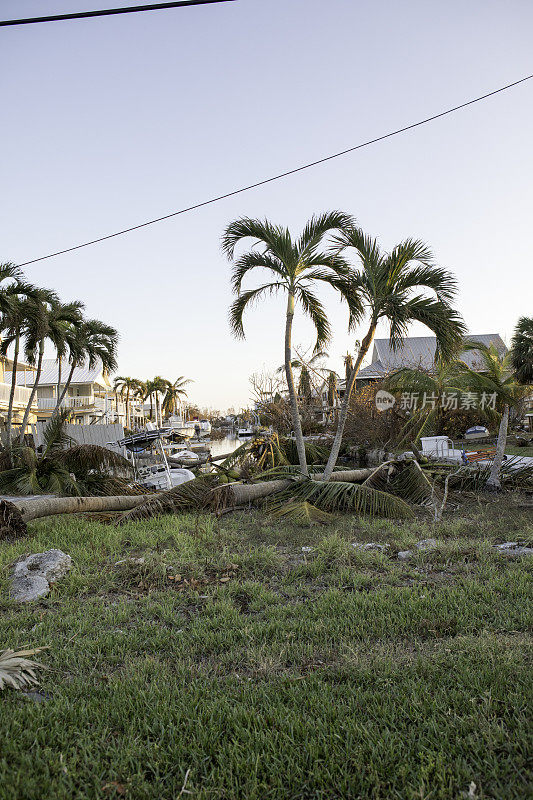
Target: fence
(86, 434)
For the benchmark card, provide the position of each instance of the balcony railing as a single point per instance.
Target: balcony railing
(22, 394)
(88, 402)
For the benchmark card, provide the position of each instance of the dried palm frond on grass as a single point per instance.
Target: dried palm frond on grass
(17, 670)
(301, 513)
(195, 495)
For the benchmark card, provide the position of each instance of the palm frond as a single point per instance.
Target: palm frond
(338, 496)
(244, 300)
(54, 435)
(300, 513)
(522, 350)
(314, 309)
(84, 457)
(195, 494)
(17, 670)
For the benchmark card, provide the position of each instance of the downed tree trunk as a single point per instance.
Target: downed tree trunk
(14, 515)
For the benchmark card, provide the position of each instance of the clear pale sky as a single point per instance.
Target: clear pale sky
(112, 121)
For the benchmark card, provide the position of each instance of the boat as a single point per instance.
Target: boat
(158, 476)
(244, 433)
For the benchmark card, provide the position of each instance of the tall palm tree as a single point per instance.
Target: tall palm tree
(50, 325)
(152, 389)
(295, 266)
(497, 378)
(127, 388)
(89, 341)
(402, 286)
(17, 318)
(175, 391)
(522, 350)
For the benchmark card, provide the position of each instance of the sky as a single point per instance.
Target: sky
(112, 121)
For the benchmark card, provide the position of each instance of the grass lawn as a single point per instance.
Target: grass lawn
(274, 672)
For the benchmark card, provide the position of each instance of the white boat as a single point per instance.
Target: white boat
(157, 476)
(190, 429)
(244, 433)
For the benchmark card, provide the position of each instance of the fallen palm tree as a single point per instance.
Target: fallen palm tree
(14, 515)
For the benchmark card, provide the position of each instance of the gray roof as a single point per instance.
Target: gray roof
(50, 374)
(419, 352)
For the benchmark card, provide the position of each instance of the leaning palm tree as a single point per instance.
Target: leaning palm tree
(497, 379)
(127, 388)
(295, 267)
(402, 286)
(50, 325)
(522, 350)
(89, 341)
(175, 391)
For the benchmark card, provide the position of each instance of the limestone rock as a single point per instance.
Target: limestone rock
(32, 575)
(51, 565)
(26, 588)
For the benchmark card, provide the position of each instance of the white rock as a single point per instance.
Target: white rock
(370, 546)
(405, 555)
(426, 544)
(513, 549)
(51, 565)
(307, 549)
(26, 588)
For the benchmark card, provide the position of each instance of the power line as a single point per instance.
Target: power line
(281, 174)
(106, 12)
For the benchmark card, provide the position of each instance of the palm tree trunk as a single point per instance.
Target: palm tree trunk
(151, 407)
(65, 389)
(343, 414)
(493, 483)
(35, 508)
(296, 422)
(33, 391)
(128, 408)
(12, 396)
(58, 388)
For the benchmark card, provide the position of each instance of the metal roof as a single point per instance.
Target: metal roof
(50, 374)
(419, 352)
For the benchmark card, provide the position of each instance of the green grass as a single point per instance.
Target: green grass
(330, 674)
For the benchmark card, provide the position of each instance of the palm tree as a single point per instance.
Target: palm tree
(175, 391)
(295, 267)
(50, 324)
(152, 389)
(437, 385)
(17, 319)
(402, 286)
(497, 379)
(89, 341)
(522, 350)
(127, 388)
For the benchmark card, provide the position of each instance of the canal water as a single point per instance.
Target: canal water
(226, 445)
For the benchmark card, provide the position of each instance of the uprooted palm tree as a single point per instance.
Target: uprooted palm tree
(295, 267)
(499, 379)
(522, 350)
(402, 286)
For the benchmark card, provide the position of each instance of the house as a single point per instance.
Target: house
(22, 392)
(415, 352)
(90, 395)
